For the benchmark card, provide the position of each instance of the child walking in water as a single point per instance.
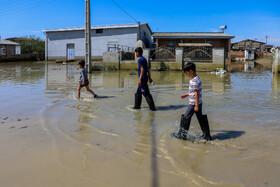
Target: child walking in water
(84, 80)
(144, 75)
(195, 106)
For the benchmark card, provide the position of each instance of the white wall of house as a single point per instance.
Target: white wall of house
(56, 42)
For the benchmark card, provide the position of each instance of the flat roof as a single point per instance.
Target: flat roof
(7, 42)
(213, 35)
(119, 26)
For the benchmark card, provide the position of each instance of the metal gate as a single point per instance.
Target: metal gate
(163, 53)
(70, 51)
(198, 53)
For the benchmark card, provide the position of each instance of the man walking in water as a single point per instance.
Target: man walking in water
(144, 75)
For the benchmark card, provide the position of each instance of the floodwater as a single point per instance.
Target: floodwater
(49, 138)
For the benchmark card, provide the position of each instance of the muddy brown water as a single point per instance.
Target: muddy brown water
(49, 138)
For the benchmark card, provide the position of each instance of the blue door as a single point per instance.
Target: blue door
(70, 51)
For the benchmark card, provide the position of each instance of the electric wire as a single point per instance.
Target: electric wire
(125, 11)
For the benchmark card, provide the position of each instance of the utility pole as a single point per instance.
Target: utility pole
(139, 31)
(88, 38)
(266, 37)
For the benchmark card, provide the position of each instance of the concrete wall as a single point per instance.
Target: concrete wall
(276, 61)
(111, 57)
(218, 55)
(146, 54)
(179, 57)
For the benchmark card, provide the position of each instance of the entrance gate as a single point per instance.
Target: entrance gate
(197, 52)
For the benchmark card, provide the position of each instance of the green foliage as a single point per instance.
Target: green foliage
(32, 44)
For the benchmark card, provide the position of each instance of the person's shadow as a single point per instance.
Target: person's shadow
(227, 134)
(171, 107)
(105, 97)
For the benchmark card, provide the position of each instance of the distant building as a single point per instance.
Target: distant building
(257, 46)
(197, 46)
(9, 48)
(268, 48)
(69, 43)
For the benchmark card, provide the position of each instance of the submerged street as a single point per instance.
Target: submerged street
(57, 140)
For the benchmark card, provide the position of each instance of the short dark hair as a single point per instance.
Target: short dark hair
(82, 63)
(190, 66)
(139, 50)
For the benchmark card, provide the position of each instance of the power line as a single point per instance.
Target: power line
(125, 11)
(25, 7)
(15, 4)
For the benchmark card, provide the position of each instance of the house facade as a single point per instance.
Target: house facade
(9, 48)
(197, 46)
(69, 43)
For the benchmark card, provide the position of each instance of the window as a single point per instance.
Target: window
(3, 50)
(99, 31)
(145, 33)
(171, 43)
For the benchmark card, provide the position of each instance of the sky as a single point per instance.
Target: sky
(245, 19)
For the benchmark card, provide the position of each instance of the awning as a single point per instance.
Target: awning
(195, 45)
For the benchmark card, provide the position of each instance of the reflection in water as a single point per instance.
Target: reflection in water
(276, 82)
(147, 138)
(84, 132)
(58, 77)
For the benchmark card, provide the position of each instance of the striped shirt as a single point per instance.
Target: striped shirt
(195, 84)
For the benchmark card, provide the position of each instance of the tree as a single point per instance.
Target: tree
(31, 44)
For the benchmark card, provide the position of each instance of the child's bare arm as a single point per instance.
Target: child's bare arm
(185, 95)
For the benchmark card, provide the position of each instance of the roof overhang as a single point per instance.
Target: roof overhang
(7, 42)
(120, 26)
(192, 35)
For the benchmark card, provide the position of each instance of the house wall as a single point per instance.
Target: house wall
(56, 42)
(10, 49)
(146, 36)
(219, 43)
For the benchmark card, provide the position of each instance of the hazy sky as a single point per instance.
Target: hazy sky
(245, 19)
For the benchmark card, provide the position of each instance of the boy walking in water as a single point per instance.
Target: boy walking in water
(84, 80)
(144, 75)
(195, 106)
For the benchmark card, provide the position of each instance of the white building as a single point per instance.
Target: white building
(69, 43)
